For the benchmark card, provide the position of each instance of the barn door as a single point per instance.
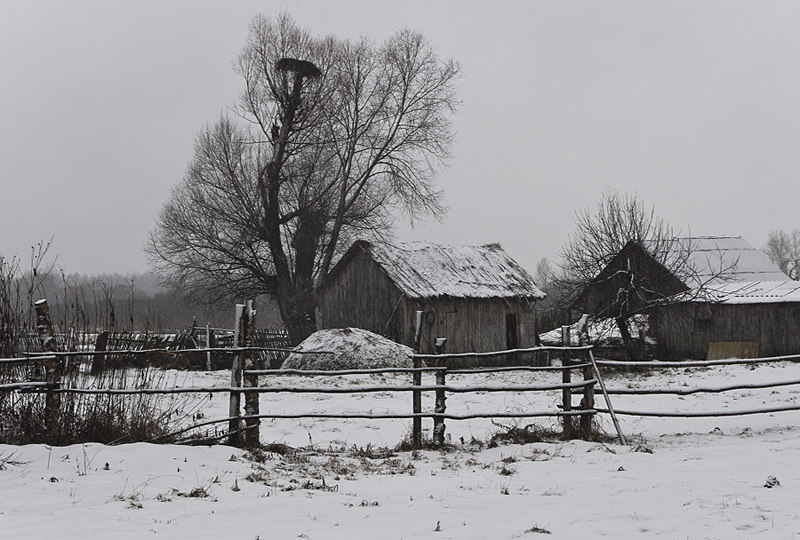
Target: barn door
(512, 331)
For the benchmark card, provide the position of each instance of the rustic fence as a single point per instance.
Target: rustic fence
(244, 411)
(43, 372)
(244, 408)
(698, 390)
(441, 389)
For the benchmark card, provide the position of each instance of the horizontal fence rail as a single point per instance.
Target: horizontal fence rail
(697, 363)
(336, 372)
(138, 352)
(444, 356)
(27, 359)
(22, 386)
(701, 389)
(470, 371)
(315, 390)
(710, 414)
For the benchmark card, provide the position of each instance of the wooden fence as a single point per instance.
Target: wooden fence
(244, 421)
(683, 391)
(244, 409)
(244, 414)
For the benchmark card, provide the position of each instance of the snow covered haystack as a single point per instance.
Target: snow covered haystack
(348, 348)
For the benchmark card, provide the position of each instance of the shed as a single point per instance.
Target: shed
(478, 298)
(731, 302)
(737, 319)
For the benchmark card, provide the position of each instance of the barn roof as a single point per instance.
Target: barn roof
(425, 270)
(753, 292)
(722, 259)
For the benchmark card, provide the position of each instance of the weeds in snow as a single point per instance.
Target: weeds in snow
(538, 530)
(12, 460)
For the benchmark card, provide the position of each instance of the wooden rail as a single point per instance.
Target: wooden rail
(699, 389)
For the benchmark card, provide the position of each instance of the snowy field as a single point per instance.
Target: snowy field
(677, 478)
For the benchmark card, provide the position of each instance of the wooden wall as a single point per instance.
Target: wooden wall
(471, 325)
(361, 295)
(686, 330)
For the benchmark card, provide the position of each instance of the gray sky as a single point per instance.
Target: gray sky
(695, 106)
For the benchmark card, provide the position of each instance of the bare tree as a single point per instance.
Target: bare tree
(650, 263)
(330, 139)
(783, 249)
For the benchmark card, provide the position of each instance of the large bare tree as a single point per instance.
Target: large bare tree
(330, 140)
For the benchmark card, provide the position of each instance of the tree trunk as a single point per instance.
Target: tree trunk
(295, 288)
(631, 348)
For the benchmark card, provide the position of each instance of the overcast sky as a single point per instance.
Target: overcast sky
(693, 105)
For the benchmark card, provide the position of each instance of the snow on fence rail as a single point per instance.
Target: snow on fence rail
(700, 389)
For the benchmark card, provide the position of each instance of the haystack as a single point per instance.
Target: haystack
(348, 348)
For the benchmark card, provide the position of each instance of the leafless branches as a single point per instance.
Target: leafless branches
(331, 139)
(783, 249)
(623, 259)
(598, 237)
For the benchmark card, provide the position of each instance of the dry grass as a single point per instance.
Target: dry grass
(108, 419)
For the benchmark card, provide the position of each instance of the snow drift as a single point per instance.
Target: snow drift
(348, 348)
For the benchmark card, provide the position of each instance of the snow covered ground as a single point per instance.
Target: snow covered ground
(678, 478)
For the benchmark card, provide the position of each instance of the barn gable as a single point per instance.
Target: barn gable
(710, 267)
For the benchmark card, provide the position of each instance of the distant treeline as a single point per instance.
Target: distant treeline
(116, 302)
(135, 302)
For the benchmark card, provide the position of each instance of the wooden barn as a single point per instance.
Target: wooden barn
(734, 302)
(478, 298)
(734, 320)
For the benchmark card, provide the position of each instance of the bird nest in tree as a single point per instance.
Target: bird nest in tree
(303, 68)
(348, 348)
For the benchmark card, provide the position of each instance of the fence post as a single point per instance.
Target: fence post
(566, 378)
(588, 393)
(234, 407)
(439, 408)
(208, 346)
(99, 360)
(252, 426)
(416, 423)
(47, 338)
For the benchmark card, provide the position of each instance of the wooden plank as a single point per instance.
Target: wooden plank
(718, 350)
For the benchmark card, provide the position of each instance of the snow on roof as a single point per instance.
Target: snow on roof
(753, 292)
(425, 270)
(726, 259)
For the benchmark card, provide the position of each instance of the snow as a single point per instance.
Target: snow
(679, 478)
(722, 259)
(602, 332)
(751, 292)
(348, 348)
(426, 270)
